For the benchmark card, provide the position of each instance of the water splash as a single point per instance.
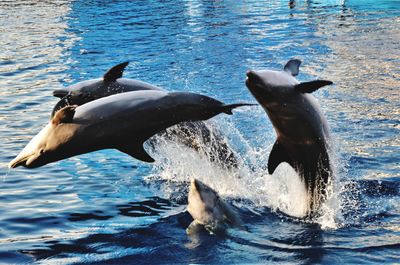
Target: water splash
(248, 186)
(6, 175)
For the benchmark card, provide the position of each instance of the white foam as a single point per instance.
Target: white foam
(250, 185)
(287, 191)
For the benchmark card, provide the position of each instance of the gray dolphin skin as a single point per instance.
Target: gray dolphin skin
(209, 210)
(196, 135)
(301, 128)
(111, 83)
(122, 121)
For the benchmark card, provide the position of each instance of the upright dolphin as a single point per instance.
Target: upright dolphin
(301, 128)
(121, 121)
(195, 134)
(209, 210)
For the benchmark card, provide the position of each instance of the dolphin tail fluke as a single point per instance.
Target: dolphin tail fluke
(228, 108)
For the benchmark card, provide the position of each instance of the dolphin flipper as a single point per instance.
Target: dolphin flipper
(278, 155)
(115, 72)
(309, 87)
(292, 67)
(137, 151)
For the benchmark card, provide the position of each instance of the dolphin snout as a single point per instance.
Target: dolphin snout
(252, 74)
(60, 93)
(16, 162)
(252, 77)
(30, 161)
(194, 184)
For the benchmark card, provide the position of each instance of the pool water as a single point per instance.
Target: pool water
(106, 207)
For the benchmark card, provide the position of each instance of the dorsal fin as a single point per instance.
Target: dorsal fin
(309, 87)
(115, 72)
(292, 67)
(64, 115)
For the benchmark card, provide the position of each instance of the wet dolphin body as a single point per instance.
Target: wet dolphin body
(209, 210)
(121, 121)
(301, 128)
(196, 134)
(111, 83)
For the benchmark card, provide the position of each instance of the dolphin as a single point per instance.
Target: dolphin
(121, 121)
(194, 134)
(89, 90)
(302, 131)
(209, 210)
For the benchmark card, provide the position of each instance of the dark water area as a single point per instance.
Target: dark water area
(107, 208)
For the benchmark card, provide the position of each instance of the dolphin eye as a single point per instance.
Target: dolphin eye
(41, 151)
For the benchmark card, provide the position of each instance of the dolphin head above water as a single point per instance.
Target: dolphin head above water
(269, 86)
(289, 103)
(273, 88)
(208, 209)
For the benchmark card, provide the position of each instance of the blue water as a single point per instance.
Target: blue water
(106, 207)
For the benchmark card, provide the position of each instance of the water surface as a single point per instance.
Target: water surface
(107, 207)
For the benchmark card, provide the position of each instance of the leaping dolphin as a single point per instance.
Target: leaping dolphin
(111, 83)
(122, 121)
(301, 128)
(195, 134)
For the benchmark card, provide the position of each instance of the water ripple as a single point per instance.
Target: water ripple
(105, 207)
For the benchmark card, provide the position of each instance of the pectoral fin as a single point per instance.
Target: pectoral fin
(278, 155)
(137, 151)
(309, 87)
